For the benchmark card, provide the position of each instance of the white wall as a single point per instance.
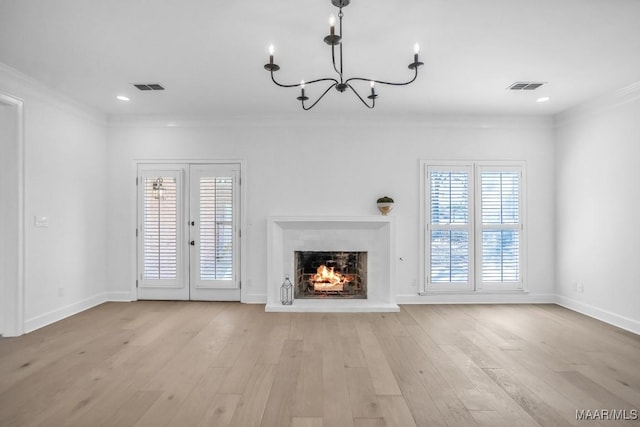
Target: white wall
(9, 216)
(597, 205)
(307, 165)
(80, 174)
(65, 180)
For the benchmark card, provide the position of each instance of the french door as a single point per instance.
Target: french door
(188, 231)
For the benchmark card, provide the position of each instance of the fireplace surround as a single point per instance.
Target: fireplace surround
(373, 235)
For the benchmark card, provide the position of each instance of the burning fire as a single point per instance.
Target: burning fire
(328, 280)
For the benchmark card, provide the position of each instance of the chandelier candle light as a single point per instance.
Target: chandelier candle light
(341, 85)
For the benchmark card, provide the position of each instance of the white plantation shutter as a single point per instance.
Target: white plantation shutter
(474, 236)
(160, 230)
(216, 228)
(501, 225)
(161, 233)
(215, 208)
(449, 227)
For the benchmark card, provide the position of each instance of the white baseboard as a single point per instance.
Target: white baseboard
(63, 312)
(614, 319)
(477, 298)
(253, 298)
(120, 297)
(631, 325)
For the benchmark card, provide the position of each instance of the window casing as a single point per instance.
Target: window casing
(473, 226)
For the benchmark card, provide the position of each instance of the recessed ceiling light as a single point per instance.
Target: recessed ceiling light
(543, 99)
(123, 98)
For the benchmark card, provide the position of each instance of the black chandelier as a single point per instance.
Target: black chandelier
(341, 85)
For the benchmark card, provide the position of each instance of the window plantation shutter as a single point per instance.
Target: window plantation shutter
(501, 225)
(449, 226)
(160, 229)
(216, 228)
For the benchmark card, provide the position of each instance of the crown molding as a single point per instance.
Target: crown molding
(20, 85)
(354, 120)
(599, 105)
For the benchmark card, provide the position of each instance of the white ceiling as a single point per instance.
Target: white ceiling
(209, 54)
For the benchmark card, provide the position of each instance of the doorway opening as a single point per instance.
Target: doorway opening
(188, 233)
(11, 216)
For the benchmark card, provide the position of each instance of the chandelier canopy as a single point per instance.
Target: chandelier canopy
(340, 83)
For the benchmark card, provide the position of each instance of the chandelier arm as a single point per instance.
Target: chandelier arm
(373, 100)
(385, 83)
(321, 96)
(282, 85)
(333, 59)
(326, 79)
(306, 83)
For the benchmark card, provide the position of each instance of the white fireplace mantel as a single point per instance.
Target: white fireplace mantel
(372, 234)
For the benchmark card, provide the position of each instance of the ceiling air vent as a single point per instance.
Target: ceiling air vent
(148, 86)
(525, 85)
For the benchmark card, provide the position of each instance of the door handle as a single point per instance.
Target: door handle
(192, 243)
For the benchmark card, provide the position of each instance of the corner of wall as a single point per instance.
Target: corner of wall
(609, 317)
(65, 147)
(596, 154)
(60, 313)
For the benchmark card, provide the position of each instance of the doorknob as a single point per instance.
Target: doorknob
(192, 243)
(193, 223)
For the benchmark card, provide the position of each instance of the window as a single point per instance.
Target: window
(501, 227)
(450, 229)
(473, 226)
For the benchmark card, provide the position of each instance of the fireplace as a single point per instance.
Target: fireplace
(370, 240)
(330, 274)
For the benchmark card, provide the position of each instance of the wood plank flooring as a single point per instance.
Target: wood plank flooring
(171, 363)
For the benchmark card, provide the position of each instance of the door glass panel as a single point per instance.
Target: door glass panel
(216, 228)
(160, 228)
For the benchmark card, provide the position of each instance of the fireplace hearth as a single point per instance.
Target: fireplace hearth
(330, 274)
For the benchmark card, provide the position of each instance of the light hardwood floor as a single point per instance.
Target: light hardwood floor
(218, 364)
